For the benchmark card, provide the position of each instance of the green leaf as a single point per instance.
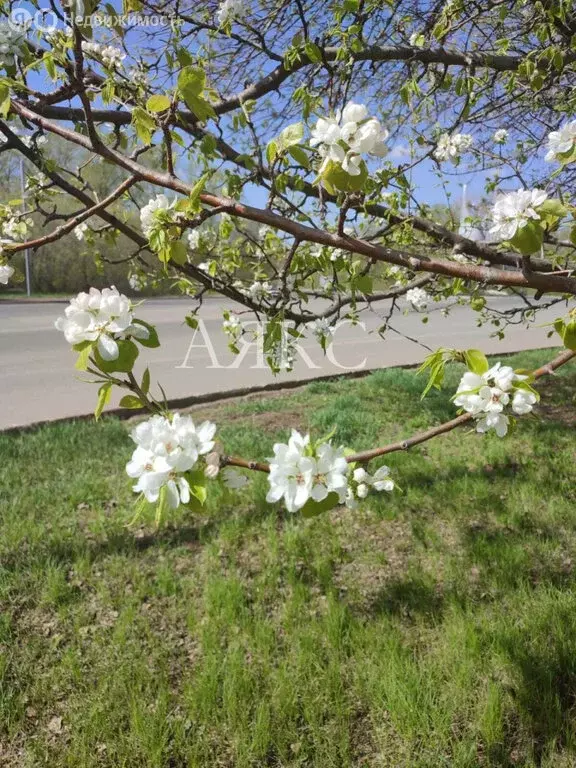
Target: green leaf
(554, 208)
(313, 52)
(271, 151)
(144, 124)
(103, 398)
(292, 134)
(131, 401)
(178, 252)
(191, 81)
(128, 352)
(197, 481)
(145, 385)
(363, 283)
(4, 99)
(48, 60)
(300, 156)
(313, 508)
(569, 337)
(191, 84)
(528, 239)
(152, 341)
(200, 107)
(198, 188)
(334, 176)
(158, 103)
(476, 361)
(84, 356)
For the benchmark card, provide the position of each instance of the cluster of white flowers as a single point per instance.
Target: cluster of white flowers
(299, 473)
(349, 135)
(321, 329)
(452, 146)
(486, 395)
(102, 316)
(233, 479)
(137, 281)
(80, 230)
(194, 239)
(417, 39)
(6, 272)
(501, 136)
(232, 327)
(138, 76)
(259, 290)
(15, 229)
(297, 476)
(110, 56)
(230, 9)
(12, 37)
(361, 483)
(418, 298)
(166, 450)
(514, 210)
(148, 214)
(561, 142)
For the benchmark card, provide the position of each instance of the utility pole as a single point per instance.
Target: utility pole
(27, 251)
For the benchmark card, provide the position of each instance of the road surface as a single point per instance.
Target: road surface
(38, 380)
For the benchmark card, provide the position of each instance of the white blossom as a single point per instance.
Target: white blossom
(297, 476)
(12, 37)
(291, 473)
(381, 480)
(6, 272)
(138, 76)
(501, 136)
(562, 141)
(80, 229)
(102, 316)
(167, 448)
(346, 137)
(321, 329)
(233, 479)
(523, 401)
(110, 56)
(232, 326)
(362, 481)
(230, 9)
(452, 146)
(259, 290)
(148, 213)
(486, 396)
(418, 297)
(514, 210)
(137, 282)
(194, 239)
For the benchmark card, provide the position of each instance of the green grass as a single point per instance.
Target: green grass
(433, 627)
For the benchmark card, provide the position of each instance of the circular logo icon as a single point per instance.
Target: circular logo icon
(19, 19)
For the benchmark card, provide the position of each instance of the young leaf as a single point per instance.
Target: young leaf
(158, 103)
(103, 398)
(313, 508)
(152, 341)
(128, 352)
(145, 385)
(476, 361)
(131, 401)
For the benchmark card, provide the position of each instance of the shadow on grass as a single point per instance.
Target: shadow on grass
(542, 663)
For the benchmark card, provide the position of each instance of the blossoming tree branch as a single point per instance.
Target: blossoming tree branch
(284, 156)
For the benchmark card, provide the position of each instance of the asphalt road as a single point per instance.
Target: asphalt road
(38, 380)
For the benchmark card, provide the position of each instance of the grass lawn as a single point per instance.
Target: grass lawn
(433, 627)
